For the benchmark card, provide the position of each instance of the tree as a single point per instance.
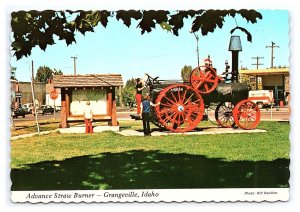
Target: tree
(186, 73)
(131, 83)
(128, 93)
(44, 73)
(119, 97)
(13, 73)
(57, 72)
(38, 28)
(128, 96)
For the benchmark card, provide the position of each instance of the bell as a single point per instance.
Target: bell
(235, 43)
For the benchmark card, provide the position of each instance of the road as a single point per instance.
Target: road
(281, 114)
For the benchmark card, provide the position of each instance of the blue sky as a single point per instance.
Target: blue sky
(118, 49)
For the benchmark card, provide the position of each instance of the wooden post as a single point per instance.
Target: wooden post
(109, 105)
(114, 121)
(67, 104)
(63, 113)
(109, 100)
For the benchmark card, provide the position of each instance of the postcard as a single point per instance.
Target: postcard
(150, 106)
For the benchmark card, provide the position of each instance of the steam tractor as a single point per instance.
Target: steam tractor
(183, 104)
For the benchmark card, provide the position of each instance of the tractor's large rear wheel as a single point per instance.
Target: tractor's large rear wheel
(246, 114)
(181, 108)
(155, 120)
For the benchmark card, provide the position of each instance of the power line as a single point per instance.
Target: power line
(272, 52)
(257, 61)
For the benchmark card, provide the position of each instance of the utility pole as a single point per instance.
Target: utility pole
(197, 50)
(33, 97)
(257, 61)
(197, 40)
(272, 52)
(74, 64)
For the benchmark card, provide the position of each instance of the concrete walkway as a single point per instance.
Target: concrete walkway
(81, 129)
(70, 130)
(202, 131)
(156, 132)
(12, 138)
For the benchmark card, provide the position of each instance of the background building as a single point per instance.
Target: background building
(276, 79)
(21, 92)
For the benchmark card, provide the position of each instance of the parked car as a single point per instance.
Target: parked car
(57, 108)
(19, 111)
(45, 109)
(263, 98)
(28, 107)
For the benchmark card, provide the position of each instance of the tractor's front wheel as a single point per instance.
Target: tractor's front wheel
(246, 114)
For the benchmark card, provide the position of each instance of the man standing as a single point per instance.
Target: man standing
(138, 96)
(145, 105)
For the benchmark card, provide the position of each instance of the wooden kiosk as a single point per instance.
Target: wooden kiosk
(76, 90)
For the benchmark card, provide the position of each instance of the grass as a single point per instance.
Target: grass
(110, 161)
(25, 127)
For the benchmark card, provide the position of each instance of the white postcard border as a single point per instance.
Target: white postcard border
(295, 185)
(154, 195)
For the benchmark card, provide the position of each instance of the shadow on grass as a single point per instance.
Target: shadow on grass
(149, 170)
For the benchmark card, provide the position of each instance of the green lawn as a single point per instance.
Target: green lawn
(25, 127)
(111, 161)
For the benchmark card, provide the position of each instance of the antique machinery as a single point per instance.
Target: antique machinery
(182, 104)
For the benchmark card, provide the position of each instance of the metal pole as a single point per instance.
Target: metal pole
(235, 66)
(257, 61)
(271, 111)
(197, 39)
(12, 123)
(272, 52)
(54, 110)
(272, 57)
(74, 64)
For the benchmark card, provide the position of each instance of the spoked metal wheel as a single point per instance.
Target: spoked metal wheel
(224, 115)
(246, 114)
(204, 79)
(181, 108)
(155, 120)
(210, 111)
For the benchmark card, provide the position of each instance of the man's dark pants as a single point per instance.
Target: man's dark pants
(146, 123)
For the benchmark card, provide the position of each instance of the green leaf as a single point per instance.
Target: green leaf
(208, 21)
(70, 38)
(166, 26)
(16, 46)
(95, 18)
(126, 16)
(28, 16)
(150, 18)
(43, 45)
(250, 15)
(249, 36)
(104, 17)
